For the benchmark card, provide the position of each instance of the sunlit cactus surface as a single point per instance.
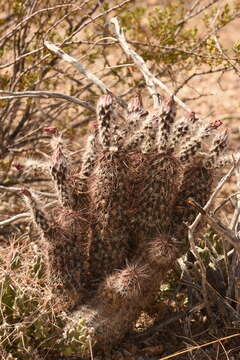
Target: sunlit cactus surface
(119, 222)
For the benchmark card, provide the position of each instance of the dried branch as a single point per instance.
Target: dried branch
(16, 190)
(93, 19)
(227, 233)
(151, 80)
(236, 215)
(19, 58)
(44, 94)
(15, 181)
(226, 57)
(197, 347)
(141, 43)
(225, 201)
(211, 71)
(220, 228)
(14, 218)
(214, 194)
(233, 268)
(217, 225)
(199, 11)
(27, 18)
(71, 60)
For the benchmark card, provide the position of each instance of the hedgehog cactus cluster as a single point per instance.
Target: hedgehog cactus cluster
(118, 225)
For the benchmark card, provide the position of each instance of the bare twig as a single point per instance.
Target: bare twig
(211, 71)
(225, 56)
(27, 18)
(71, 60)
(19, 58)
(14, 218)
(192, 348)
(16, 190)
(93, 19)
(220, 228)
(217, 225)
(225, 201)
(233, 274)
(199, 11)
(202, 267)
(235, 219)
(141, 43)
(151, 80)
(44, 94)
(214, 194)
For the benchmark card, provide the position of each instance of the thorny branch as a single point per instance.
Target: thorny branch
(197, 347)
(29, 58)
(234, 264)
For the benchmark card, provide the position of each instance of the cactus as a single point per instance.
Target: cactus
(119, 226)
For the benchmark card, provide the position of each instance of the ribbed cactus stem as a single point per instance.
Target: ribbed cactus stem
(60, 172)
(197, 183)
(181, 129)
(135, 106)
(135, 112)
(191, 148)
(104, 113)
(214, 158)
(165, 124)
(118, 136)
(219, 145)
(109, 247)
(89, 157)
(131, 284)
(135, 141)
(149, 142)
(135, 125)
(138, 137)
(88, 160)
(155, 207)
(39, 215)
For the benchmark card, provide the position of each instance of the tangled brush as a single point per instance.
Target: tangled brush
(118, 226)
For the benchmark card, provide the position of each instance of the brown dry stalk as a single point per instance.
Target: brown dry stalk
(197, 347)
